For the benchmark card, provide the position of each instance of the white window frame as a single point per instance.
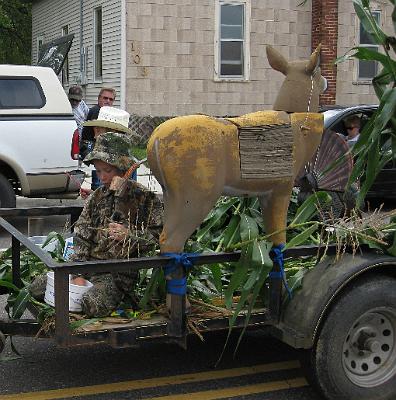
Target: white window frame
(246, 41)
(369, 46)
(65, 69)
(97, 44)
(39, 42)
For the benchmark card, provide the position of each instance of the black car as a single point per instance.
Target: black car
(384, 186)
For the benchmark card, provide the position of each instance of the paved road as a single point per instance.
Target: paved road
(262, 369)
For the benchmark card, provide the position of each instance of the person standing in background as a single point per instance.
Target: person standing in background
(109, 119)
(106, 97)
(80, 109)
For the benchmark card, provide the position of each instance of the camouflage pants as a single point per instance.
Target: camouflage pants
(108, 291)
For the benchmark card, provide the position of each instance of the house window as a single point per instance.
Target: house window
(232, 39)
(98, 43)
(367, 69)
(65, 68)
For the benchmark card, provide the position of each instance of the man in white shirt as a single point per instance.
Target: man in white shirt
(80, 109)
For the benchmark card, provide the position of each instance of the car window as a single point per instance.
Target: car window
(21, 93)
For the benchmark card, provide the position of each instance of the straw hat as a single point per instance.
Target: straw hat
(114, 148)
(112, 118)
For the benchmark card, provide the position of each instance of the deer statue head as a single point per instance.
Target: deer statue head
(303, 83)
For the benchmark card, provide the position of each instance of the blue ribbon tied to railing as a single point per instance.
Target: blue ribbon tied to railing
(278, 259)
(178, 286)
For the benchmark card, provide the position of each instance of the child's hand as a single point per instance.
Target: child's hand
(84, 193)
(117, 231)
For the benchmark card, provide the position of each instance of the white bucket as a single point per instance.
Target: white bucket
(39, 241)
(75, 293)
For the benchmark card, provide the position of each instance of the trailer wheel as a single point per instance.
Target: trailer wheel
(7, 194)
(2, 341)
(355, 354)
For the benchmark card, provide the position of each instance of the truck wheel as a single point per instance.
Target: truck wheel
(355, 354)
(7, 195)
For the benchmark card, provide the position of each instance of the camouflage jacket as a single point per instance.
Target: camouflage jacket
(138, 209)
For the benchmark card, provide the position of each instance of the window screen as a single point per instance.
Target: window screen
(232, 39)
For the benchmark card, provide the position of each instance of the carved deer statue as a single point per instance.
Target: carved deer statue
(197, 158)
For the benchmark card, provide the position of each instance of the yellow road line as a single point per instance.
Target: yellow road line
(237, 391)
(151, 382)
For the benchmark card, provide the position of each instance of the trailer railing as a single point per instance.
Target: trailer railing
(174, 329)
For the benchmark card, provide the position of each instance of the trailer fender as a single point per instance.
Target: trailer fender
(303, 315)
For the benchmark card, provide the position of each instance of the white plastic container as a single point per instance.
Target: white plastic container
(75, 293)
(39, 241)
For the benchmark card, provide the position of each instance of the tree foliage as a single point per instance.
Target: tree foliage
(15, 32)
(377, 143)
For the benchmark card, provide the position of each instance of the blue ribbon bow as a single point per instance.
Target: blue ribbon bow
(278, 258)
(178, 286)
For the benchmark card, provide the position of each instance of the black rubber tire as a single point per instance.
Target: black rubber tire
(7, 194)
(2, 342)
(327, 363)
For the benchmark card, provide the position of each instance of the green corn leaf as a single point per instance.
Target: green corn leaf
(381, 81)
(231, 321)
(237, 278)
(392, 250)
(231, 233)
(9, 285)
(295, 281)
(386, 109)
(239, 275)
(309, 208)
(215, 217)
(368, 21)
(83, 322)
(302, 237)
(256, 290)
(248, 228)
(260, 254)
(365, 187)
(217, 275)
(20, 303)
(253, 277)
(152, 285)
(51, 237)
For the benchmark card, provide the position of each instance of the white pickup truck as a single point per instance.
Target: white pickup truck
(36, 130)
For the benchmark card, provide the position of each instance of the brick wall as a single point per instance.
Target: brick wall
(325, 31)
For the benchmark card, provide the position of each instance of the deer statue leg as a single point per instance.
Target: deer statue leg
(183, 213)
(274, 210)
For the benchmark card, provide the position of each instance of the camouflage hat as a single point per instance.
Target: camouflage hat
(113, 148)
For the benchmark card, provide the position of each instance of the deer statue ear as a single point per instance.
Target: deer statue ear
(276, 60)
(313, 60)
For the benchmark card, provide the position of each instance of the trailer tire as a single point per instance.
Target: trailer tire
(355, 354)
(7, 194)
(2, 341)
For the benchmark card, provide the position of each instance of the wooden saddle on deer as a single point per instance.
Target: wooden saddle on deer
(198, 158)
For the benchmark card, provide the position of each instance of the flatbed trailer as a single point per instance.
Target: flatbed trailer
(343, 318)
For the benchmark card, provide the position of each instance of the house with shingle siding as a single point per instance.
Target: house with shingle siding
(176, 57)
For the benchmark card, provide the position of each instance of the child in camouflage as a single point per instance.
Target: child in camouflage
(120, 219)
